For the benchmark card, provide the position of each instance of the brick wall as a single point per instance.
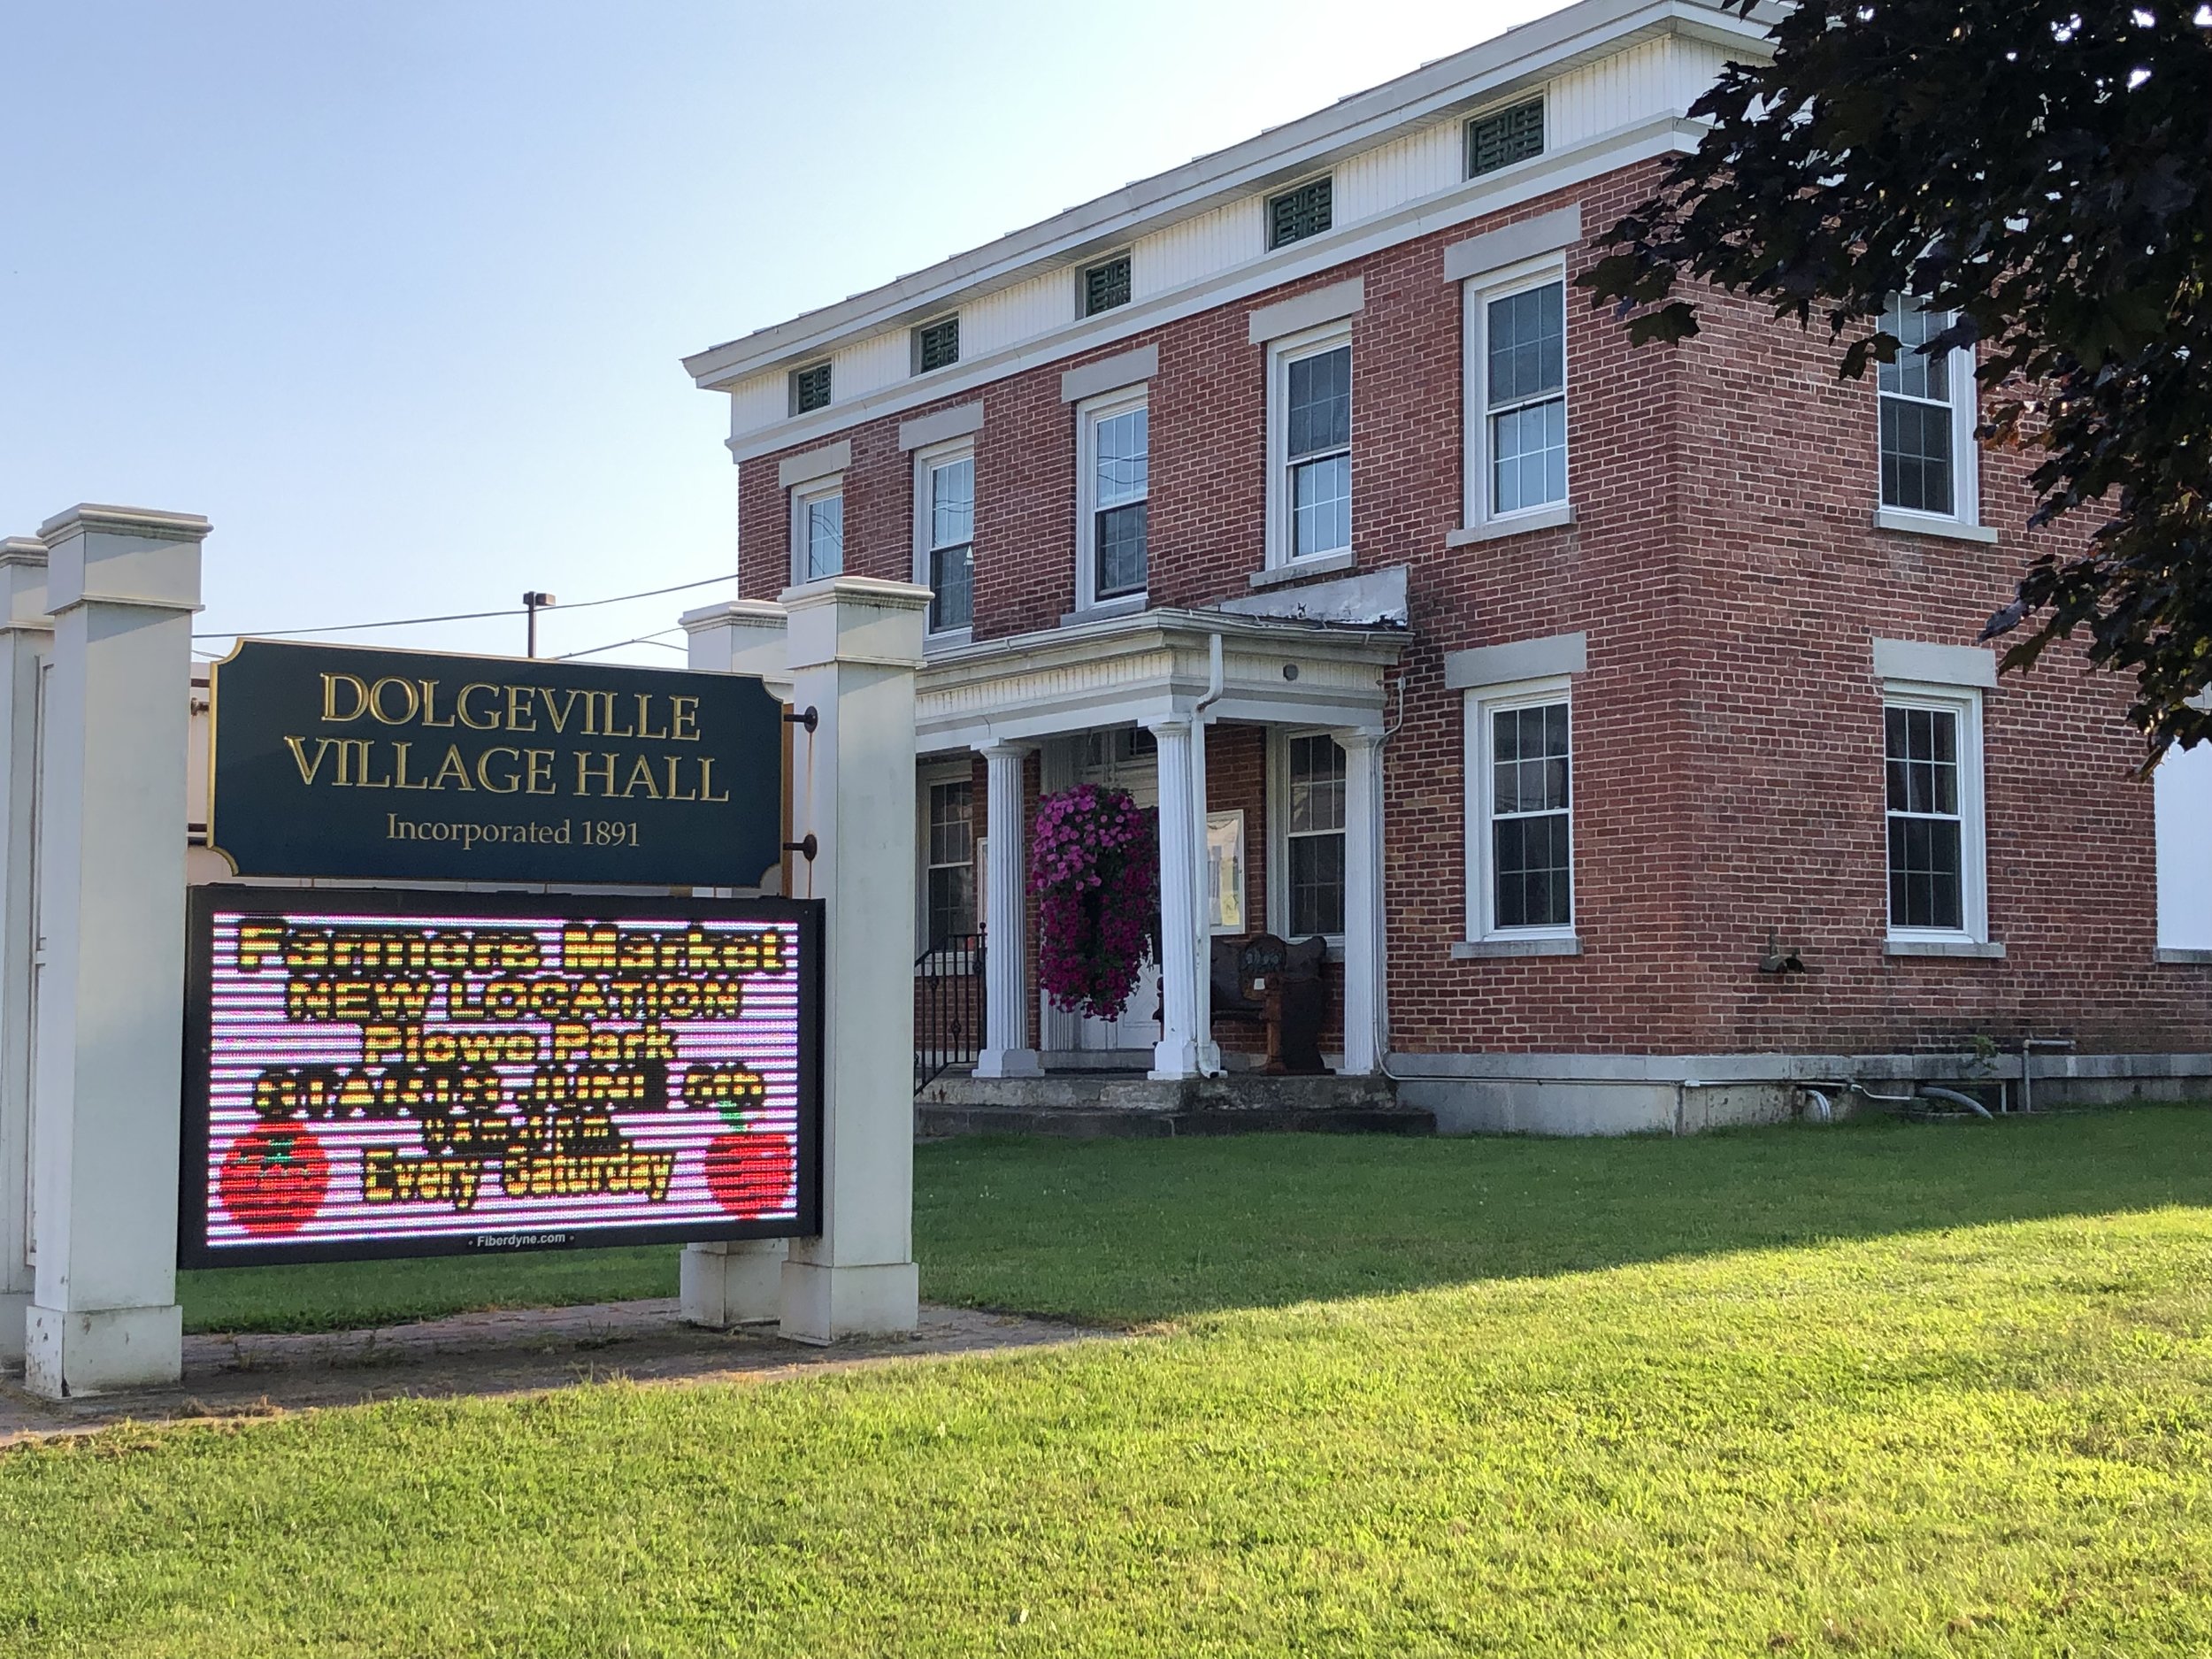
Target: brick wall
(1727, 733)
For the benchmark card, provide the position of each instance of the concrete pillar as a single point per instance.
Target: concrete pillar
(1006, 1051)
(26, 634)
(1185, 1045)
(855, 645)
(122, 586)
(735, 1281)
(1362, 899)
(740, 636)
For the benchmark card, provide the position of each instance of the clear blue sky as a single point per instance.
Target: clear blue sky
(394, 293)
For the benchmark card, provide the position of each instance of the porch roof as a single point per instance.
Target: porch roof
(1151, 665)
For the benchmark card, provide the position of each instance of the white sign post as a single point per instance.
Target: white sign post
(26, 634)
(109, 1003)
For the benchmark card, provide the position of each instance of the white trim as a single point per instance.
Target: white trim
(1658, 136)
(1487, 666)
(1558, 514)
(802, 496)
(804, 469)
(1965, 521)
(1088, 416)
(1277, 787)
(1302, 312)
(1280, 355)
(1546, 233)
(1935, 664)
(1109, 374)
(1515, 63)
(1964, 702)
(1480, 704)
(1926, 524)
(955, 422)
(1477, 294)
(926, 460)
(1318, 564)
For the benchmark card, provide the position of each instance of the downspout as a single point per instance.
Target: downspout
(1202, 944)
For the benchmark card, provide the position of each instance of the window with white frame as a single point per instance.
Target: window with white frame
(1927, 419)
(948, 868)
(818, 530)
(1520, 812)
(1113, 494)
(1516, 394)
(944, 534)
(1931, 754)
(1310, 434)
(1313, 834)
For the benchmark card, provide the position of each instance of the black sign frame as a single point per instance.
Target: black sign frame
(696, 807)
(193, 1249)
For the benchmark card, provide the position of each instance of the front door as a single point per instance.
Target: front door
(1126, 758)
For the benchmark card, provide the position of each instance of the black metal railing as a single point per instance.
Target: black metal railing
(948, 1006)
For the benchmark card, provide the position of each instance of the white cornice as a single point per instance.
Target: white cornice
(1493, 193)
(1523, 56)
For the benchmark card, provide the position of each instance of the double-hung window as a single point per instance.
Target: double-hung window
(1520, 769)
(1313, 834)
(1518, 396)
(1932, 763)
(818, 530)
(1927, 421)
(948, 872)
(1113, 495)
(944, 525)
(1311, 434)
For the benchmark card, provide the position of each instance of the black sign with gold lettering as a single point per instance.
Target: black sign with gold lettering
(336, 761)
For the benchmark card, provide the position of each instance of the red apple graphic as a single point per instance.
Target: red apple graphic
(752, 1174)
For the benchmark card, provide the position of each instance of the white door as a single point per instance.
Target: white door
(1128, 759)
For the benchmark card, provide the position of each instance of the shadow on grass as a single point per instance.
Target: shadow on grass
(1132, 1231)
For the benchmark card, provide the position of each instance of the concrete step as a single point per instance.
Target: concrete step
(1095, 1104)
(1076, 1123)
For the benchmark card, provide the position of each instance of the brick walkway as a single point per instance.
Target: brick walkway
(525, 1351)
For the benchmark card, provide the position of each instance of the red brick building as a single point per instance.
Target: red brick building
(1576, 692)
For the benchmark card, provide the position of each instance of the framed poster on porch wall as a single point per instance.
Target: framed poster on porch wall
(1225, 872)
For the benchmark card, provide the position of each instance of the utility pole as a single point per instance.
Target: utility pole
(532, 602)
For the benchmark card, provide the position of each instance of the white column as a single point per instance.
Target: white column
(1006, 1051)
(855, 645)
(735, 1281)
(123, 585)
(26, 634)
(1181, 1051)
(1363, 929)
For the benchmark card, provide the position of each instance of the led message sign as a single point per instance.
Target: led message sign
(337, 761)
(392, 1073)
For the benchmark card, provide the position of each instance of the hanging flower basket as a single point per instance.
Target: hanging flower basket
(1094, 867)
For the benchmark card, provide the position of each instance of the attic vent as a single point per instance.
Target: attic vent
(1297, 214)
(937, 345)
(1106, 286)
(1510, 136)
(810, 389)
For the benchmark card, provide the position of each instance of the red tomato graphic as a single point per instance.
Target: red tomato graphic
(273, 1179)
(752, 1174)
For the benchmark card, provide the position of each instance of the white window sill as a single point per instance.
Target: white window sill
(1297, 570)
(1924, 524)
(2183, 955)
(1465, 949)
(947, 640)
(1989, 950)
(1519, 524)
(1122, 605)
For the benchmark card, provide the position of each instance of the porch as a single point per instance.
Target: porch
(1258, 739)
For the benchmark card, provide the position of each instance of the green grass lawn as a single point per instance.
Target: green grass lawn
(1874, 1389)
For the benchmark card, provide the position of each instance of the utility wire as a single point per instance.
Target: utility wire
(642, 639)
(463, 616)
